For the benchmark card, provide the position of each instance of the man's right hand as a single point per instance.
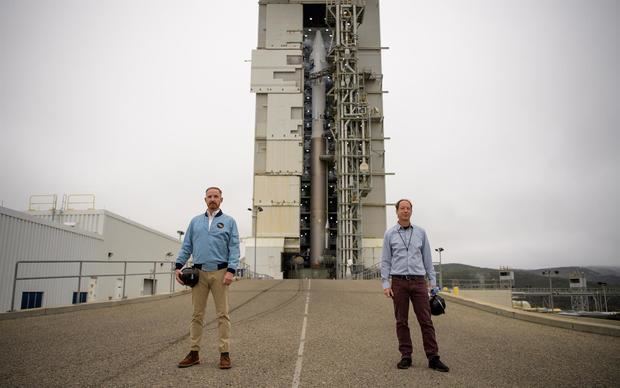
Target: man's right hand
(388, 293)
(178, 276)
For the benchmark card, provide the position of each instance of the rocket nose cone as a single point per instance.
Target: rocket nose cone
(317, 43)
(318, 51)
(318, 34)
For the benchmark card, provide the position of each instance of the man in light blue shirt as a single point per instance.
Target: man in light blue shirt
(212, 240)
(406, 259)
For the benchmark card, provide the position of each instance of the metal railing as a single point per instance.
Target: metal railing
(473, 284)
(366, 273)
(566, 291)
(603, 299)
(81, 275)
(244, 272)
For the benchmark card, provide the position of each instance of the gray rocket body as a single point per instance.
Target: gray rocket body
(318, 208)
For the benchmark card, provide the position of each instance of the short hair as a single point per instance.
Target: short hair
(404, 199)
(215, 188)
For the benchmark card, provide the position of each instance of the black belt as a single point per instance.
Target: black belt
(219, 266)
(408, 277)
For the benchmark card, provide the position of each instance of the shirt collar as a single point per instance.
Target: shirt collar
(217, 213)
(400, 227)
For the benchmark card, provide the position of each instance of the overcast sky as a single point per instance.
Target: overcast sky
(503, 117)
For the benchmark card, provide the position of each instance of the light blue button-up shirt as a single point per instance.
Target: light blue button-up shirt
(406, 252)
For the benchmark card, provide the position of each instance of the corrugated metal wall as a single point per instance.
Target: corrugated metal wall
(23, 237)
(88, 220)
(26, 237)
(131, 241)
(126, 239)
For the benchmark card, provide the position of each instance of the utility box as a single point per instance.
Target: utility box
(118, 290)
(92, 290)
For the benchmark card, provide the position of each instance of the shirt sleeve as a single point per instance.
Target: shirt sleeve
(233, 247)
(186, 248)
(386, 260)
(427, 258)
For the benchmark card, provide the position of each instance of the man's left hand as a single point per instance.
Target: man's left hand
(228, 278)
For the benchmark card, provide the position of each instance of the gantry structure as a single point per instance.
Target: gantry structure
(352, 148)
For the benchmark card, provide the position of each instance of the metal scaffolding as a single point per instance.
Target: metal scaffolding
(351, 132)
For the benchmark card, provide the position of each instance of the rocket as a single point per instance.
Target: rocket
(318, 208)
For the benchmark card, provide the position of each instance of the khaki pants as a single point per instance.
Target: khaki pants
(210, 281)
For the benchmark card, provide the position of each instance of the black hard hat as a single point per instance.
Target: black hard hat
(190, 276)
(438, 305)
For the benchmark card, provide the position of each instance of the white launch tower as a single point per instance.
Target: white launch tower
(319, 175)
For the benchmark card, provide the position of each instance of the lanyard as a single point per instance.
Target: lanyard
(410, 237)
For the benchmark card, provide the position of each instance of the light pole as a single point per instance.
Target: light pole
(180, 233)
(255, 210)
(440, 269)
(548, 273)
(604, 286)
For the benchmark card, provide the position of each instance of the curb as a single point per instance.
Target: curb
(555, 321)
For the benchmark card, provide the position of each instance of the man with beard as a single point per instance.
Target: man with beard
(212, 240)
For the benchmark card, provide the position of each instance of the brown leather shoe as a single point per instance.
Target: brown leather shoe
(225, 361)
(189, 360)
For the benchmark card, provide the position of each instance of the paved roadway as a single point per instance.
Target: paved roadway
(349, 341)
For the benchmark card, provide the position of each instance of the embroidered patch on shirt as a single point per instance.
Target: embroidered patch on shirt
(220, 225)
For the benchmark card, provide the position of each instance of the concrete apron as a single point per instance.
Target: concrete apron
(541, 318)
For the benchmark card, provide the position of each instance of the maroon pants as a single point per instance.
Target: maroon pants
(416, 291)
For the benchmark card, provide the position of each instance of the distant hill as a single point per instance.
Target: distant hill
(525, 278)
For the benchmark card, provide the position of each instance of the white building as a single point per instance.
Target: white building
(54, 258)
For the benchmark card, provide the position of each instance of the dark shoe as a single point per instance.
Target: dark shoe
(404, 363)
(225, 361)
(189, 360)
(435, 363)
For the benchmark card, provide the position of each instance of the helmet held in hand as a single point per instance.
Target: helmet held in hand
(438, 305)
(190, 276)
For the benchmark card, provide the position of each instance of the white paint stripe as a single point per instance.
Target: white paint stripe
(303, 330)
(302, 341)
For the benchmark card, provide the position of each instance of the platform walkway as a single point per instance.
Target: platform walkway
(349, 342)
